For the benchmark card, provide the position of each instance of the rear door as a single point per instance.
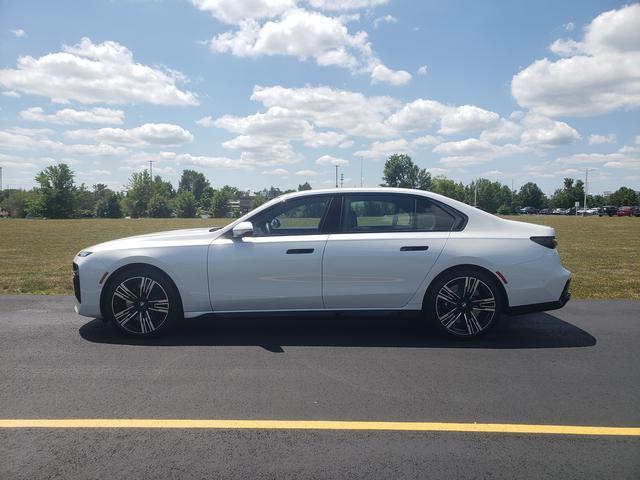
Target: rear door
(386, 245)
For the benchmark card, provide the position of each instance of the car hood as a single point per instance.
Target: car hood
(190, 236)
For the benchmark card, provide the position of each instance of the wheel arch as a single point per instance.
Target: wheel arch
(467, 267)
(133, 267)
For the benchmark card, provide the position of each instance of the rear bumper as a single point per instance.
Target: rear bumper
(565, 296)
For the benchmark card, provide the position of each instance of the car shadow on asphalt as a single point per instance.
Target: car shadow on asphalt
(271, 332)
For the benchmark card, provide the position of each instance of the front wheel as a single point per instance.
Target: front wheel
(141, 302)
(464, 304)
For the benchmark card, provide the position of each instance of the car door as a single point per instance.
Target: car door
(385, 248)
(279, 267)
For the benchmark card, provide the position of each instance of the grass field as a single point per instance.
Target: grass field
(35, 255)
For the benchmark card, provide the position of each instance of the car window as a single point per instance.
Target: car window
(432, 217)
(383, 213)
(302, 216)
(394, 213)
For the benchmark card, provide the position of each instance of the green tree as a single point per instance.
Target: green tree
(108, 206)
(138, 194)
(624, 196)
(185, 205)
(570, 193)
(16, 201)
(447, 187)
(159, 206)
(55, 196)
(490, 195)
(194, 182)
(530, 195)
(400, 171)
(304, 186)
(258, 200)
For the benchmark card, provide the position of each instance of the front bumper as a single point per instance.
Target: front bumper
(565, 296)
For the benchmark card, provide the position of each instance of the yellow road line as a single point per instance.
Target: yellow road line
(317, 425)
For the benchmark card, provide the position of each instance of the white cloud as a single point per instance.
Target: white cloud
(147, 134)
(307, 34)
(346, 4)
(205, 121)
(426, 141)
(328, 160)
(99, 115)
(11, 93)
(540, 130)
(466, 118)
(623, 158)
(599, 74)
(277, 171)
(380, 150)
(473, 151)
(306, 173)
(422, 70)
(96, 73)
(382, 74)
(598, 139)
(19, 139)
(417, 115)
(19, 33)
(385, 19)
(235, 11)
(503, 130)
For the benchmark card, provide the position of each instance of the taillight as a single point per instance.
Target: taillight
(549, 242)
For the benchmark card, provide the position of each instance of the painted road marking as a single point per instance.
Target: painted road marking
(317, 425)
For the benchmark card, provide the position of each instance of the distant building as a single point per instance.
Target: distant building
(242, 205)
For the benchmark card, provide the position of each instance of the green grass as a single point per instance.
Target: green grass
(36, 255)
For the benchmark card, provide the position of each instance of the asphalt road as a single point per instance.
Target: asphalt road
(576, 366)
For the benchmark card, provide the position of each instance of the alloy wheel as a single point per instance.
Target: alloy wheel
(465, 306)
(140, 305)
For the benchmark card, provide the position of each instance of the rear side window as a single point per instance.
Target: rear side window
(432, 217)
(394, 213)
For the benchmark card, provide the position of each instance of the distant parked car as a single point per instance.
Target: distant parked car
(609, 210)
(625, 212)
(561, 211)
(636, 211)
(546, 211)
(528, 210)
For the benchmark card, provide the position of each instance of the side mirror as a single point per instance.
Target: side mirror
(243, 229)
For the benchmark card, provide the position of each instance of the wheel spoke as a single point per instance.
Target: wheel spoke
(484, 304)
(159, 305)
(450, 317)
(448, 295)
(123, 316)
(470, 287)
(473, 326)
(124, 293)
(146, 286)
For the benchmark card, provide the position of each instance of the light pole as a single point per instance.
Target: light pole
(586, 188)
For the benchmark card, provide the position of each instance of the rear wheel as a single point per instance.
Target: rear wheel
(141, 302)
(464, 303)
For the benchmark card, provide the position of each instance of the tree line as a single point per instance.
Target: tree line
(57, 195)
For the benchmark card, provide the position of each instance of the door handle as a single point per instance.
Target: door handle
(414, 248)
(293, 251)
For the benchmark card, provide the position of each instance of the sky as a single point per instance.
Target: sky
(256, 93)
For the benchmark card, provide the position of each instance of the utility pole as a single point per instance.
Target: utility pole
(0, 179)
(336, 176)
(586, 188)
(151, 162)
(341, 180)
(361, 170)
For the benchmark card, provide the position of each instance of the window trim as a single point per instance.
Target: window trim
(320, 229)
(459, 219)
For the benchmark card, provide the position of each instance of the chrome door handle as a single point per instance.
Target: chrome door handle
(414, 248)
(293, 251)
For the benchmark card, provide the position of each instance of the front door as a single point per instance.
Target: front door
(279, 267)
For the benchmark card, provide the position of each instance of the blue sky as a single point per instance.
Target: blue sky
(257, 93)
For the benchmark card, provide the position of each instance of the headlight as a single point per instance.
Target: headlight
(84, 254)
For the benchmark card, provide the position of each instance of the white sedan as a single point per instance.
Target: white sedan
(382, 249)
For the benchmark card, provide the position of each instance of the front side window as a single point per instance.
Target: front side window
(393, 213)
(302, 216)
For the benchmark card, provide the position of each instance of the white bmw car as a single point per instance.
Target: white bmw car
(379, 249)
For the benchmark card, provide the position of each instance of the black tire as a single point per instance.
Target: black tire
(141, 302)
(464, 303)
